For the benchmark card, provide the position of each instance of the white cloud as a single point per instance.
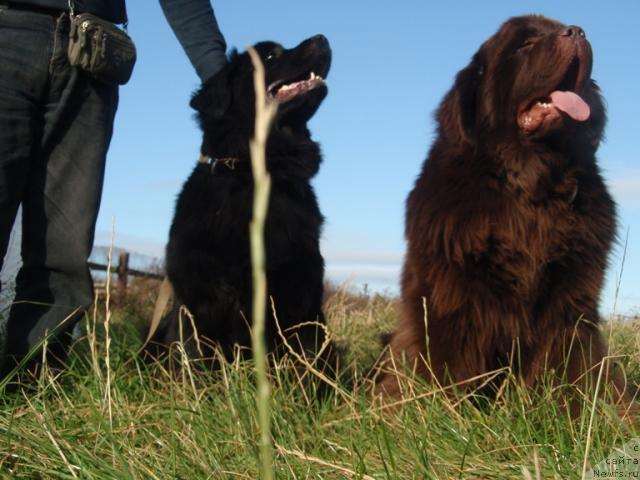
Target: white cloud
(131, 243)
(364, 273)
(362, 257)
(379, 270)
(626, 189)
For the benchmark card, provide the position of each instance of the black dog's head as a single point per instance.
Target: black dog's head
(530, 82)
(294, 78)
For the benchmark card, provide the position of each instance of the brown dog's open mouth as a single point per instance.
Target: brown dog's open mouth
(283, 92)
(564, 99)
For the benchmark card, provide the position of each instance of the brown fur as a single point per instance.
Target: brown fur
(508, 229)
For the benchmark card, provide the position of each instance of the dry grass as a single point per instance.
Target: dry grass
(156, 424)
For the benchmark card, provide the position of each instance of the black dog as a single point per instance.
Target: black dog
(208, 259)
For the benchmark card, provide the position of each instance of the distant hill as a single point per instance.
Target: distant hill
(11, 263)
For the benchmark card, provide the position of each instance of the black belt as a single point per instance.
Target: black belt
(25, 7)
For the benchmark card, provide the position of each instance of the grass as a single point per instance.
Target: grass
(131, 420)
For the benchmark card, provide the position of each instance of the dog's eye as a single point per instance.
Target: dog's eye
(273, 54)
(528, 43)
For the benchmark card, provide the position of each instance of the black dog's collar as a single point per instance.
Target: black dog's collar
(229, 162)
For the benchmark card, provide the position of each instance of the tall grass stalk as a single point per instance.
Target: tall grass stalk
(619, 276)
(265, 113)
(107, 323)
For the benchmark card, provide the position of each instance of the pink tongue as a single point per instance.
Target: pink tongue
(571, 104)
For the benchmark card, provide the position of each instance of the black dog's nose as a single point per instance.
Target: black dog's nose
(320, 40)
(573, 31)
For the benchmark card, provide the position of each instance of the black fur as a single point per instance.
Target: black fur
(208, 259)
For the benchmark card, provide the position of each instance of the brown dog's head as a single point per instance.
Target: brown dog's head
(530, 82)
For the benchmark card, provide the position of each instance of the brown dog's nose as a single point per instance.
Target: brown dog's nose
(573, 31)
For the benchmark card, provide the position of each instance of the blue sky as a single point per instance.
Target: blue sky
(392, 63)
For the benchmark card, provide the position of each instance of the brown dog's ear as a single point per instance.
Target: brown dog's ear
(214, 97)
(458, 111)
(594, 127)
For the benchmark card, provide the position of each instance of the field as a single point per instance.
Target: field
(111, 416)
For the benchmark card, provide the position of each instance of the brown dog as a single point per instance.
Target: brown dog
(509, 224)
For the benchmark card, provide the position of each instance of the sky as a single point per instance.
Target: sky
(391, 66)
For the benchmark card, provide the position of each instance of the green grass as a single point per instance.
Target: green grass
(149, 423)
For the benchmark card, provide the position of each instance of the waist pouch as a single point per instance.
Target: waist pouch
(101, 49)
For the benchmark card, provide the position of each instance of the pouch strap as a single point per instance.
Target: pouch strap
(72, 13)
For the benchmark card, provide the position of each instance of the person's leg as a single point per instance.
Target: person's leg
(26, 43)
(61, 204)
(25, 52)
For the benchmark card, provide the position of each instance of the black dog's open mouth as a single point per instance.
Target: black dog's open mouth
(283, 91)
(564, 99)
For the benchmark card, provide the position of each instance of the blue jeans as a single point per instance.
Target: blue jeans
(55, 127)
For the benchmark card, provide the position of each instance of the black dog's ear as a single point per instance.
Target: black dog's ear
(214, 97)
(457, 112)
